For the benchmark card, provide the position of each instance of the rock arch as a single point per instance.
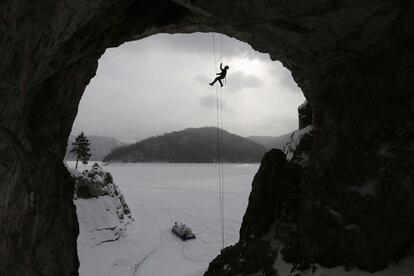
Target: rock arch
(353, 60)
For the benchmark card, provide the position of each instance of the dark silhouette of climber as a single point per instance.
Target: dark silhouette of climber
(221, 75)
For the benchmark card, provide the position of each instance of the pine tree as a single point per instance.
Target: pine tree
(81, 149)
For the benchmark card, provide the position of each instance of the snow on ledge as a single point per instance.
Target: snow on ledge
(291, 146)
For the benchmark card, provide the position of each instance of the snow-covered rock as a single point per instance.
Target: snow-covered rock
(296, 150)
(103, 214)
(94, 183)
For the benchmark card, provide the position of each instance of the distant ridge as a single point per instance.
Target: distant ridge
(271, 141)
(100, 147)
(191, 145)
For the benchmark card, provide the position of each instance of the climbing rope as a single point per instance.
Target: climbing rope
(219, 112)
(222, 148)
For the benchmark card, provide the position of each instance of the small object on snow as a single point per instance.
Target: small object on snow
(182, 231)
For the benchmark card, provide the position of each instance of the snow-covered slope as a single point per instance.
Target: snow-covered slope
(99, 220)
(159, 195)
(101, 208)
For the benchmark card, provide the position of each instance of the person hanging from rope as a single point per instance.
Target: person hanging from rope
(221, 75)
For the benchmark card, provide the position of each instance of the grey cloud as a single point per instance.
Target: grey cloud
(287, 80)
(203, 79)
(284, 78)
(279, 124)
(210, 102)
(239, 80)
(165, 73)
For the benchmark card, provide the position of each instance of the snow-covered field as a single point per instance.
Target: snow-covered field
(158, 195)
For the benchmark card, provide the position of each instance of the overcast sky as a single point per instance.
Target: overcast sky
(160, 84)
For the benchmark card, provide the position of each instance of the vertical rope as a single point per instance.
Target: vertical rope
(221, 47)
(214, 50)
(222, 148)
(219, 108)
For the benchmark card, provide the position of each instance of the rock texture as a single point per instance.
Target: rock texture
(354, 61)
(305, 115)
(273, 213)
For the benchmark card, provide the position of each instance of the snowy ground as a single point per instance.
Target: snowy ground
(158, 195)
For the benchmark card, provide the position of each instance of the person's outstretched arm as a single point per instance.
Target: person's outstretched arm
(221, 66)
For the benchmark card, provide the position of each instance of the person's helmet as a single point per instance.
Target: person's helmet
(226, 67)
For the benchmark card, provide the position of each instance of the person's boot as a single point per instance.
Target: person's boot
(211, 83)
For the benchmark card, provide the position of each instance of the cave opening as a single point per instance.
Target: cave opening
(351, 207)
(159, 85)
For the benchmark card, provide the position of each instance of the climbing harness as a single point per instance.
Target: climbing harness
(219, 111)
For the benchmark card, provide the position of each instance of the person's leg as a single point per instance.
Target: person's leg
(212, 83)
(220, 82)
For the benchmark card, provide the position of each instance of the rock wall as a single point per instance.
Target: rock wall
(353, 60)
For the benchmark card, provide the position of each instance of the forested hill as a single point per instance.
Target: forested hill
(191, 145)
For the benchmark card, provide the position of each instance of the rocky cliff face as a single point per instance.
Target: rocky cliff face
(353, 60)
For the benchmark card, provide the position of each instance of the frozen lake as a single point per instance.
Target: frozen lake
(158, 195)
